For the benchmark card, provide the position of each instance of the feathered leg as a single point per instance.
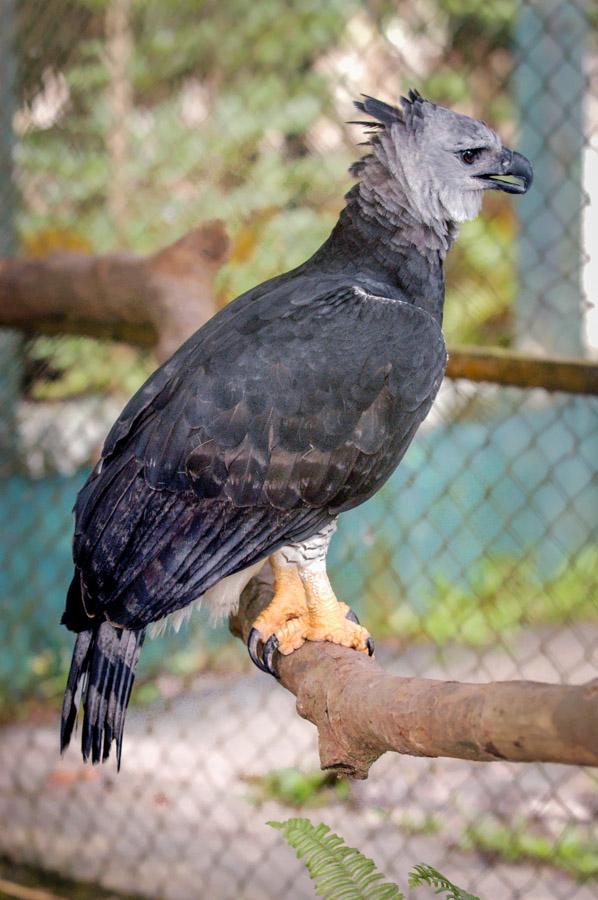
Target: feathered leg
(304, 606)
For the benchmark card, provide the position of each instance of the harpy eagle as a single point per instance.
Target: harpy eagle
(293, 404)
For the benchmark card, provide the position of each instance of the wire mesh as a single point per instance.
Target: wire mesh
(131, 123)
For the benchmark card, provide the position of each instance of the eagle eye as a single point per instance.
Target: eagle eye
(469, 156)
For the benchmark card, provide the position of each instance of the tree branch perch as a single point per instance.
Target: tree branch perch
(156, 300)
(361, 711)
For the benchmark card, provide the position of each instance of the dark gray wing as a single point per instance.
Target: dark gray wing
(258, 430)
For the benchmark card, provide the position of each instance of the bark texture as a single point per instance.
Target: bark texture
(361, 711)
(156, 300)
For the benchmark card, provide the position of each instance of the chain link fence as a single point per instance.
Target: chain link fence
(124, 124)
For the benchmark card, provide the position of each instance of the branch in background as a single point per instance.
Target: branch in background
(361, 711)
(157, 300)
(522, 370)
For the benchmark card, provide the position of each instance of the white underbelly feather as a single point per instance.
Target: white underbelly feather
(221, 599)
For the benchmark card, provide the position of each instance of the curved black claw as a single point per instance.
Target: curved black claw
(352, 617)
(270, 648)
(370, 645)
(253, 644)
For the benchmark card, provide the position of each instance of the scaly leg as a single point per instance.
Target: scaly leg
(304, 607)
(287, 604)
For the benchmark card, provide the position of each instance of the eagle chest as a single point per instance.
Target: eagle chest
(386, 428)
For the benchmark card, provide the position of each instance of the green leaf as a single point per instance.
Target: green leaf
(337, 871)
(423, 874)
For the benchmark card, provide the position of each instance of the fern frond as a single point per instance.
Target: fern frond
(338, 871)
(423, 874)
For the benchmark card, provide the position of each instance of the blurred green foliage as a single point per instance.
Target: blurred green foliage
(426, 824)
(72, 366)
(297, 788)
(237, 113)
(502, 596)
(575, 851)
(221, 101)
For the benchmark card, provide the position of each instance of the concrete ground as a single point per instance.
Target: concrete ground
(178, 821)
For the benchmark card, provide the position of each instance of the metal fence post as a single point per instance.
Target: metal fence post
(10, 341)
(549, 85)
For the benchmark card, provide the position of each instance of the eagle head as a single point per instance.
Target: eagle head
(437, 161)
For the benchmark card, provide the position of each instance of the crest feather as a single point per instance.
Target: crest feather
(410, 112)
(410, 115)
(384, 113)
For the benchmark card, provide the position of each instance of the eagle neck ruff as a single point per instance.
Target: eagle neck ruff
(384, 257)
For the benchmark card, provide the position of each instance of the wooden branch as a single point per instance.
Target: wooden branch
(361, 711)
(159, 299)
(523, 370)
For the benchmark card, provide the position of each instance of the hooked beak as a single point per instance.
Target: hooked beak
(512, 165)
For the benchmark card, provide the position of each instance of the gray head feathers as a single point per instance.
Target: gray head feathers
(418, 175)
(428, 168)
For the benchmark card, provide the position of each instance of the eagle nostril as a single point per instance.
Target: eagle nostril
(506, 160)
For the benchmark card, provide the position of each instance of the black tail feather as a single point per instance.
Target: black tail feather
(101, 676)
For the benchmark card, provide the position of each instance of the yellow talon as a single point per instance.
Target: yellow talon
(303, 608)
